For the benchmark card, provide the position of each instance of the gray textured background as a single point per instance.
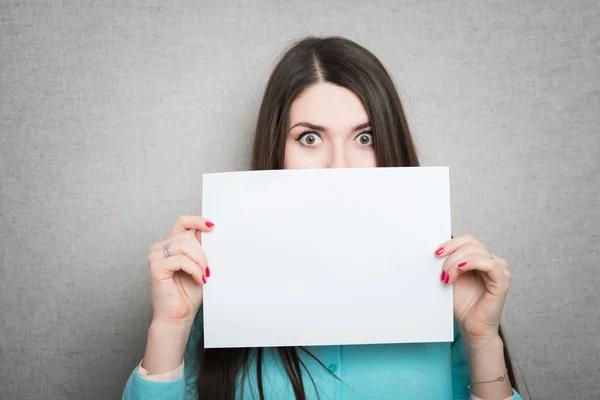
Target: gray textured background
(109, 113)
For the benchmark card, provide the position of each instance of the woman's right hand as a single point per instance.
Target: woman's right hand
(176, 282)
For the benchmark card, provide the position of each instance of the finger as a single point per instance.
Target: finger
(184, 247)
(497, 281)
(462, 253)
(459, 257)
(450, 246)
(157, 249)
(473, 248)
(500, 261)
(164, 268)
(187, 222)
(189, 235)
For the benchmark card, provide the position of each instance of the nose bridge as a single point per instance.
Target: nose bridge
(338, 155)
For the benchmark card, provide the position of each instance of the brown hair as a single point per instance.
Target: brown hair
(309, 61)
(344, 63)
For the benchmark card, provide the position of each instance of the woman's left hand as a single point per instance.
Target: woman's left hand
(481, 281)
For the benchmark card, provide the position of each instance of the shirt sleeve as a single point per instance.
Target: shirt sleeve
(139, 388)
(142, 386)
(162, 377)
(473, 397)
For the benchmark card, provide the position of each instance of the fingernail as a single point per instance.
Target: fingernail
(209, 224)
(439, 251)
(207, 272)
(443, 275)
(447, 279)
(203, 279)
(462, 264)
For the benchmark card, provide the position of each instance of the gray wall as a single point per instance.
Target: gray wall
(110, 113)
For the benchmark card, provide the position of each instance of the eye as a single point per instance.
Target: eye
(365, 138)
(310, 138)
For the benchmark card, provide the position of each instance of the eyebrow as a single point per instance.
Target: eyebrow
(322, 128)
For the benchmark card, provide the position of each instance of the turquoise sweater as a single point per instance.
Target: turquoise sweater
(398, 371)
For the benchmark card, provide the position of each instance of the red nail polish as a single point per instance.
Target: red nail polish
(207, 272)
(203, 279)
(447, 279)
(462, 264)
(209, 224)
(443, 275)
(439, 251)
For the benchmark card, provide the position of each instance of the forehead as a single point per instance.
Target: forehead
(328, 104)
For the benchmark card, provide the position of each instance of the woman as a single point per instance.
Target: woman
(329, 103)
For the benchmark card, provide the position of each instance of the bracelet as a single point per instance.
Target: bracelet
(498, 379)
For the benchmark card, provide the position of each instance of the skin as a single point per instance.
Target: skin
(329, 129)
(339, 144)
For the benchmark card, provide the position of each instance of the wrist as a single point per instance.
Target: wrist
(170, 335)
(488, 351)
(171, 325)
(165, 347)
(482, 339)
(486, 363)
(482, 343)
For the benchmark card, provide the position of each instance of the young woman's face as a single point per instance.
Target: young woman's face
(329, 128)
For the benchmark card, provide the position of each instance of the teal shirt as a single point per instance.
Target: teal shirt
(392, 371)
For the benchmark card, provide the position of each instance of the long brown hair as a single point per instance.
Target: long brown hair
(309, 61)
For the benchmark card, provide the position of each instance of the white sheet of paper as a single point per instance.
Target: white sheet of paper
(326, 257)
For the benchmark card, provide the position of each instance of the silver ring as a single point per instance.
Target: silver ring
(166, 250)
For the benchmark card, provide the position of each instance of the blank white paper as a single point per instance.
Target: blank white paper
(326, 257)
